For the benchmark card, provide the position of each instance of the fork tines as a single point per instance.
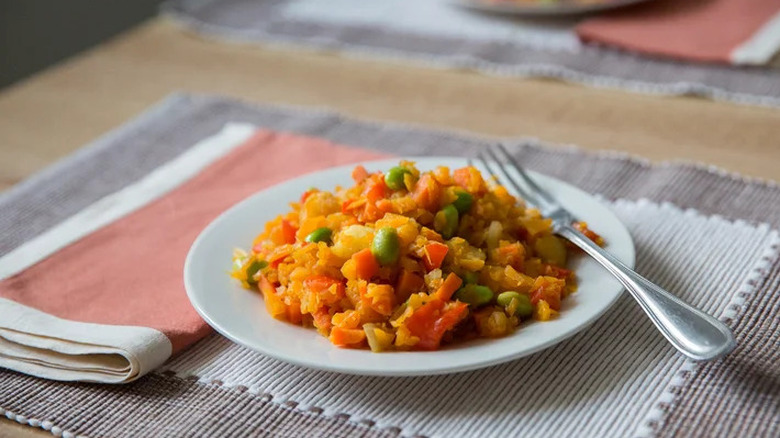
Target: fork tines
(495, 160)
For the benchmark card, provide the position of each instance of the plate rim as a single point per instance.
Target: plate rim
(540, 9)
(446, 369)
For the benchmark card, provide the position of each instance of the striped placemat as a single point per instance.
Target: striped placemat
(697, 232)
(436, 33)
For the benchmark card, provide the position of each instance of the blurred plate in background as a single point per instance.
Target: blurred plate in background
(544, 7)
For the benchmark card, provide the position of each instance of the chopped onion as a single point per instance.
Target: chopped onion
(373, 341)
(493, 234)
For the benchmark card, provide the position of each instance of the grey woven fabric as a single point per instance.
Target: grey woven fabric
(166, 406)
(261, 21)
(229, 394)
(751, 373)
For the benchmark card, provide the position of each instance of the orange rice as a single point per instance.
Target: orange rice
(457, 258)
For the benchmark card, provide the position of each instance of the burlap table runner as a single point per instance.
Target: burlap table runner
(708, 236)
(438, 34)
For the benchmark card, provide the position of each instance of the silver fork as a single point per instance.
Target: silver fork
(693, 332)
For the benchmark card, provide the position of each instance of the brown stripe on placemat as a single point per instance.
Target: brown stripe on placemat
(174, 407)
(747, 381)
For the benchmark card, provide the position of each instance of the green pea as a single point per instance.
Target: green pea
(385, 246)
(523, 308)
(320, 235)
(253, 269)
(394, 178)
(463, 202)
(474, 295)
(469, 277)
(446, 221)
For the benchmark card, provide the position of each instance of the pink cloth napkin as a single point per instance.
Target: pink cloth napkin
(111, 306)
(725, 31)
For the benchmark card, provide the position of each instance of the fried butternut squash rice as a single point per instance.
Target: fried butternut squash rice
(409, 260)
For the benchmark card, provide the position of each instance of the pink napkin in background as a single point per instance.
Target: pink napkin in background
(111, 306)
(739, 32)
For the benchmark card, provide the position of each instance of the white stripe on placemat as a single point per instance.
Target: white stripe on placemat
(611, 377)
(761, 47)
(119, 204)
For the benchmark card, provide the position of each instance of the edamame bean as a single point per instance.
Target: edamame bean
(469, 277)
(523, 306)
(474, 295)
(446, 221)
(385, 246)
(253, 269)
(463, 202)
(322, 234)
(394, 178)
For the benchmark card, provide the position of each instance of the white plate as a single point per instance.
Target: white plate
(240, 314)
(562, 7)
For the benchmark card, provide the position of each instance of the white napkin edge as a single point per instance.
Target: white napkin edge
(43, 345)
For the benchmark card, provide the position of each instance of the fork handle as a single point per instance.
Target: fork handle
(693, 332)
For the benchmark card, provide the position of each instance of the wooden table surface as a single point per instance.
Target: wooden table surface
(53, 113)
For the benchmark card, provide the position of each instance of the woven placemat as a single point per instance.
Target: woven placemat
(440, 35)
(706, 235)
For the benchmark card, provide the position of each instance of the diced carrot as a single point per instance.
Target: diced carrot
(451, 316)
(278, 257)
(288, 232)
(427, 192)
(294, 313)
(323, 283)
(366, 265)
(557, 272)
(306, 194)
(273, 302)
(434, 255)
(510, 255)
(376, 188)
(469, 179)
(385, 205)
(548, 289)
(322, 319)
(590, 234)
(329, 291)
(347, 337)
(409, 282)
(421, 322)
(431, 321)
(371, 213)
(359, 174)
(265, 286)
(450, 285)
